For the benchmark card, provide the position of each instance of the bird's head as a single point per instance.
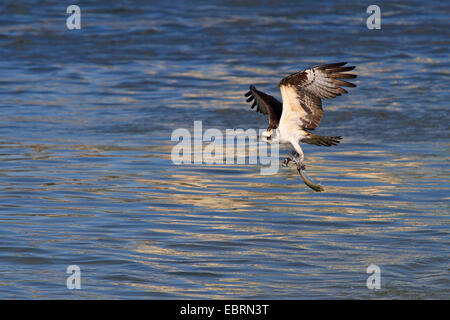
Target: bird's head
(270, 135)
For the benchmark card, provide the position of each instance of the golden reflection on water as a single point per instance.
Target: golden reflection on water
(234, 186)
(210, 209)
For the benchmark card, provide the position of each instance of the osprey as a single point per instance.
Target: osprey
(302, 92)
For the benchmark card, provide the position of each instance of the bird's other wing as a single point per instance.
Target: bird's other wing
(265, 104)
(304, 90)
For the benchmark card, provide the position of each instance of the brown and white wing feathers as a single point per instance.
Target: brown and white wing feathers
(265, 104)
(309, 87)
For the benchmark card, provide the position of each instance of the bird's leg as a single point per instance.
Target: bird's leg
(299, 157)
(299, 162)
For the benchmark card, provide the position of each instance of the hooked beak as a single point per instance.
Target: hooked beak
(265, 136)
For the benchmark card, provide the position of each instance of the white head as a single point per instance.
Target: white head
(271, 135)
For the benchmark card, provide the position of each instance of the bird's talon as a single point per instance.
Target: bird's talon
(287, 160)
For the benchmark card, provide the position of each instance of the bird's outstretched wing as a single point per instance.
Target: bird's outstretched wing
(265, 104)
(302, 92)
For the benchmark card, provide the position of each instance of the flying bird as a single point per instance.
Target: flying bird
(292, 121)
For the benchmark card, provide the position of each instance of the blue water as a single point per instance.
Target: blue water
(86, 175)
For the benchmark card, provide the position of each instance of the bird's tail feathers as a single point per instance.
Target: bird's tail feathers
(321, 140)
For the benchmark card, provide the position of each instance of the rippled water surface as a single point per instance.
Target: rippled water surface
(87, 179)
